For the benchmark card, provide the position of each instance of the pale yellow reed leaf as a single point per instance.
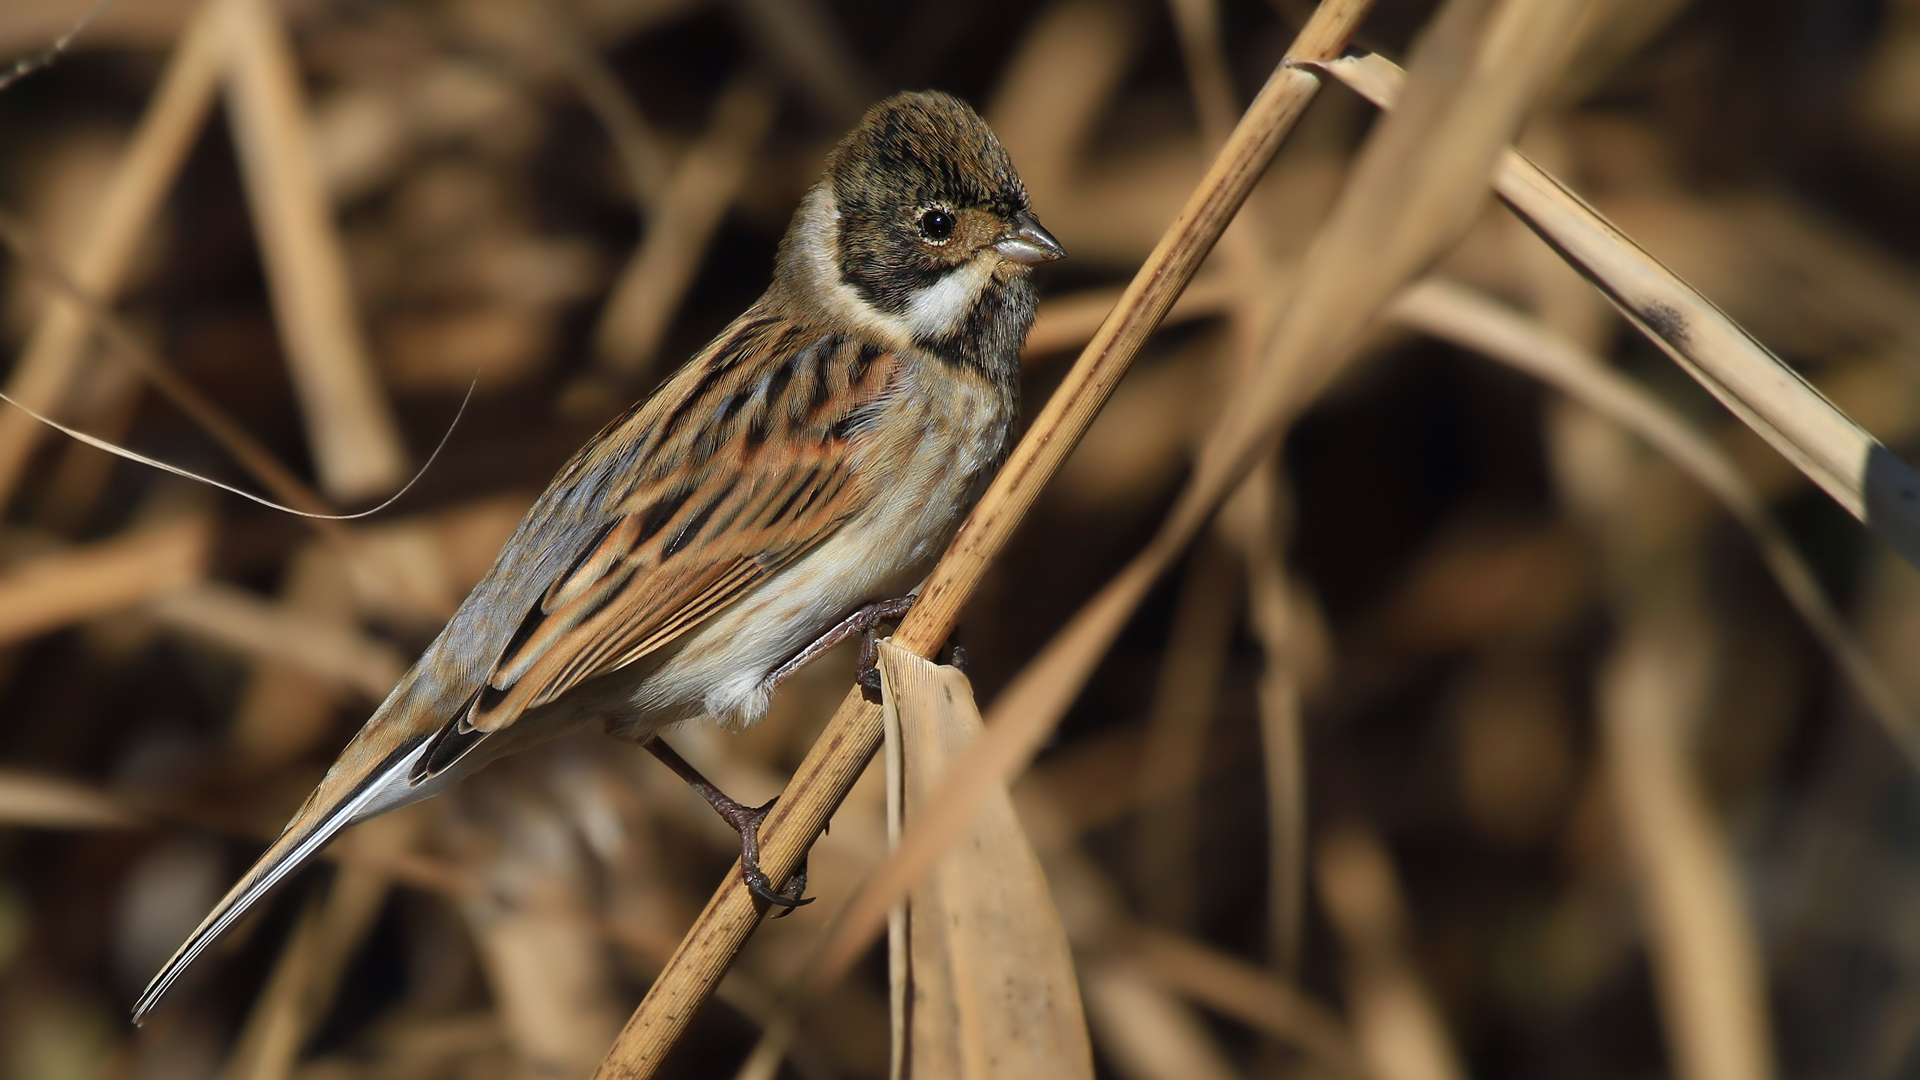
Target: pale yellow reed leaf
(993, 991)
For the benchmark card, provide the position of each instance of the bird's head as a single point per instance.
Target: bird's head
(921, 228)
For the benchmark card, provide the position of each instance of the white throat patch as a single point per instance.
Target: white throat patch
(937, 309)
(933, 312)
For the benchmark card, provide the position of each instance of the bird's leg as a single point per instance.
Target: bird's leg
(864, 621)
(745, 821)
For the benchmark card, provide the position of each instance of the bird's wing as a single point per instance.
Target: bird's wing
(747, 465)
(742, 461)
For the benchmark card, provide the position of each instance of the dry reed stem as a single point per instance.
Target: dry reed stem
(173, 118)
(989, 972)
(1069, 322)
(1250, 518)
(642, 154)
(640, 307)
(68, 586)
(1253, 520)
(30, 800)
(285, 710)
(1414, 190)
(307, 974)
(1147, 1031)
(251, 626)
(802, 38)
(45, 57)
(853, 734)
(1473, 321)
(1178, 722)
(1397, 1024)
(1705, 952)
(1852, 466)
(357, 449)
(1234, 988)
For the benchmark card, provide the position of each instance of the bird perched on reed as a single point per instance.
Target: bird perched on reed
(782, 492)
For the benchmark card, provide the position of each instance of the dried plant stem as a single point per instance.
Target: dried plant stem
(357, 448)
(1177, 728)
(1255, 518)
(1705, 951)
(1851, 465)
(145, 174)
(642, 304)
(853, 735)
(1232, 987)
(1250, 517)
(27, 65)
(63, 587)
(252, 455)
(1397, 1023)
(1474, 321)
(92, 313)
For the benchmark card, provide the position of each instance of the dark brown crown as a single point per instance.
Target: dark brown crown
(922, 147)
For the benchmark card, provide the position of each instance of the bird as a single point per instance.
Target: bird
(786, 489)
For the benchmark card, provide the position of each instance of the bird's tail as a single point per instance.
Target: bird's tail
(325, 814)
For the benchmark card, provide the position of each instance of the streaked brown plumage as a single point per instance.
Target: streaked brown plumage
(814, 458)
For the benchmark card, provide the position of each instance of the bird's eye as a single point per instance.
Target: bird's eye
(936, 224)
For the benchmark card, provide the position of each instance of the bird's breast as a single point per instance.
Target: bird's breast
(923, 460)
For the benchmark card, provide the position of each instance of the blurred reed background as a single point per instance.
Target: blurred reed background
(1579, 794)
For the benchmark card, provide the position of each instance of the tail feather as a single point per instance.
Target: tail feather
(386, 788)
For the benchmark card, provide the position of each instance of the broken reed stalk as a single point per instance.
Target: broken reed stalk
(854, 733)
(1856, 469)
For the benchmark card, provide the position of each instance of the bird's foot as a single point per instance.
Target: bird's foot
(745, 820)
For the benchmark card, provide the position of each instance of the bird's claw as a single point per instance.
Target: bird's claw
(794, 895)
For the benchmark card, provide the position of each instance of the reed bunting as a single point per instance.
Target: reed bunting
(782, 492)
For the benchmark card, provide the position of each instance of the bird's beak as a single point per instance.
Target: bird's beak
(1028, 242)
